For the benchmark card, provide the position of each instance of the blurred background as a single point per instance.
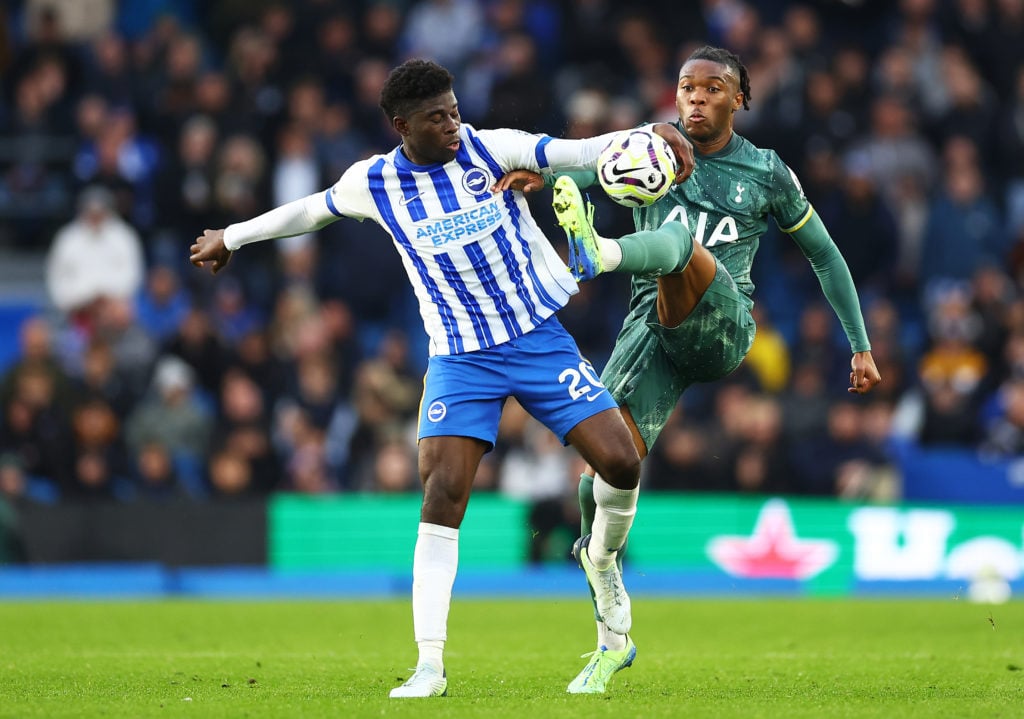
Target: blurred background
(265, 418)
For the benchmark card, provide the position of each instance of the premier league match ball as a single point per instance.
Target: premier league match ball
(637, 167)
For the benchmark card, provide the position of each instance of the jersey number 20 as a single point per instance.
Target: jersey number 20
(581, 381)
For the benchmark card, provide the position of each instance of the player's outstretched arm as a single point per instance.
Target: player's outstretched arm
(209, 250)
(524, 181)
(863, 375)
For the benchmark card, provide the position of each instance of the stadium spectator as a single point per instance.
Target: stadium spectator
(518, 96)
(992, 293)
(864, 228)
(162, 304)
(233, 316)
(253, 357)
(762, 460)
(35, 185)
(446, 30)
(1005, 46)
(825, 460)
(39, 437)
(308, 469)
(36, 352)
(243, 427)
(199, 346)
(100, 379)
(102, 467)
(230, 475)
(952, 373)
(155, 476)
(383, 24)
(186, 191)
(171, 413)
(74, 20)
(295, 174)
(825, 123)
(1004, 436)
(969, 96)
(109, 73)
(691, 456)
(125, 161)
(134, 350)
(851, 67)
(95, 258)
(893, 149)
(964, 227)
(806, 400)
(1011, 156)
(394, 468)
(386, 393)
(337, 54)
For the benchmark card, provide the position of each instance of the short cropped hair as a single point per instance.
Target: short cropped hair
(411, 83)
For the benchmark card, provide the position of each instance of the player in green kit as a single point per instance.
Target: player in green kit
(689, 318)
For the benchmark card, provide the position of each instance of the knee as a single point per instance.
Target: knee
(679, 234)
(681, 239)
(445, 498)
(444, 486)
(621, 469)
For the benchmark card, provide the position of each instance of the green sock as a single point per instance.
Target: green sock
(587, 504)
(656, 252)
(587, 509)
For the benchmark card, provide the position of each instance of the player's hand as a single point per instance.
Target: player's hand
(520, 181)
(680, 146)
(209, 249)
(864, 375)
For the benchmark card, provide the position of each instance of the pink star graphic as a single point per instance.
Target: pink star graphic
(773, 551)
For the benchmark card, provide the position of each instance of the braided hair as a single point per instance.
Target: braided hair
(730, 60)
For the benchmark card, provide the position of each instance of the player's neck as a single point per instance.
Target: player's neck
(714, 145)
(413, 157)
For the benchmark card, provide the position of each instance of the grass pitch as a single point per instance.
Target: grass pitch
(697, 658)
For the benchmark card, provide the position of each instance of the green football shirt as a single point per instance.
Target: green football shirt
(726, 204)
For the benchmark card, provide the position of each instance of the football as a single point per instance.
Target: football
(637, 167)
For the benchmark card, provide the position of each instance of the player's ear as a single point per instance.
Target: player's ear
(737, 101)
(401, 125)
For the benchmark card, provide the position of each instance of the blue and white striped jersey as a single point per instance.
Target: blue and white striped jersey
(482, 270)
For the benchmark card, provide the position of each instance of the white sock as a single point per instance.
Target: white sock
(611, 253)
(612, 521)
(433, 572)
(608, 639)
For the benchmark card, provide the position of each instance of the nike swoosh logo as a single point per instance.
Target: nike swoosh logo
(406, 200)
(591, 399)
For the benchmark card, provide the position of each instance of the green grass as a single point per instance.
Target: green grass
(741, 658)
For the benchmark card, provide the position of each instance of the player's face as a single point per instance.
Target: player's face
(707, 96)
(431, 133)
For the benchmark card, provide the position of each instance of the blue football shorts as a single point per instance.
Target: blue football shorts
(463, 394)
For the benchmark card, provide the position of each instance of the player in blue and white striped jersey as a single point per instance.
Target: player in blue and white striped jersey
(488, 284)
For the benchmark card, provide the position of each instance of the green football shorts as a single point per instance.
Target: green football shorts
(651, 364)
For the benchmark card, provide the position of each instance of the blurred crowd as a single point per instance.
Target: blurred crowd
(128, 128)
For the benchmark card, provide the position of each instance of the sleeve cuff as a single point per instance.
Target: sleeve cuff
(231, 239)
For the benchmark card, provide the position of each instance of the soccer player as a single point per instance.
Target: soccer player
(488, 285)
(689, 316)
